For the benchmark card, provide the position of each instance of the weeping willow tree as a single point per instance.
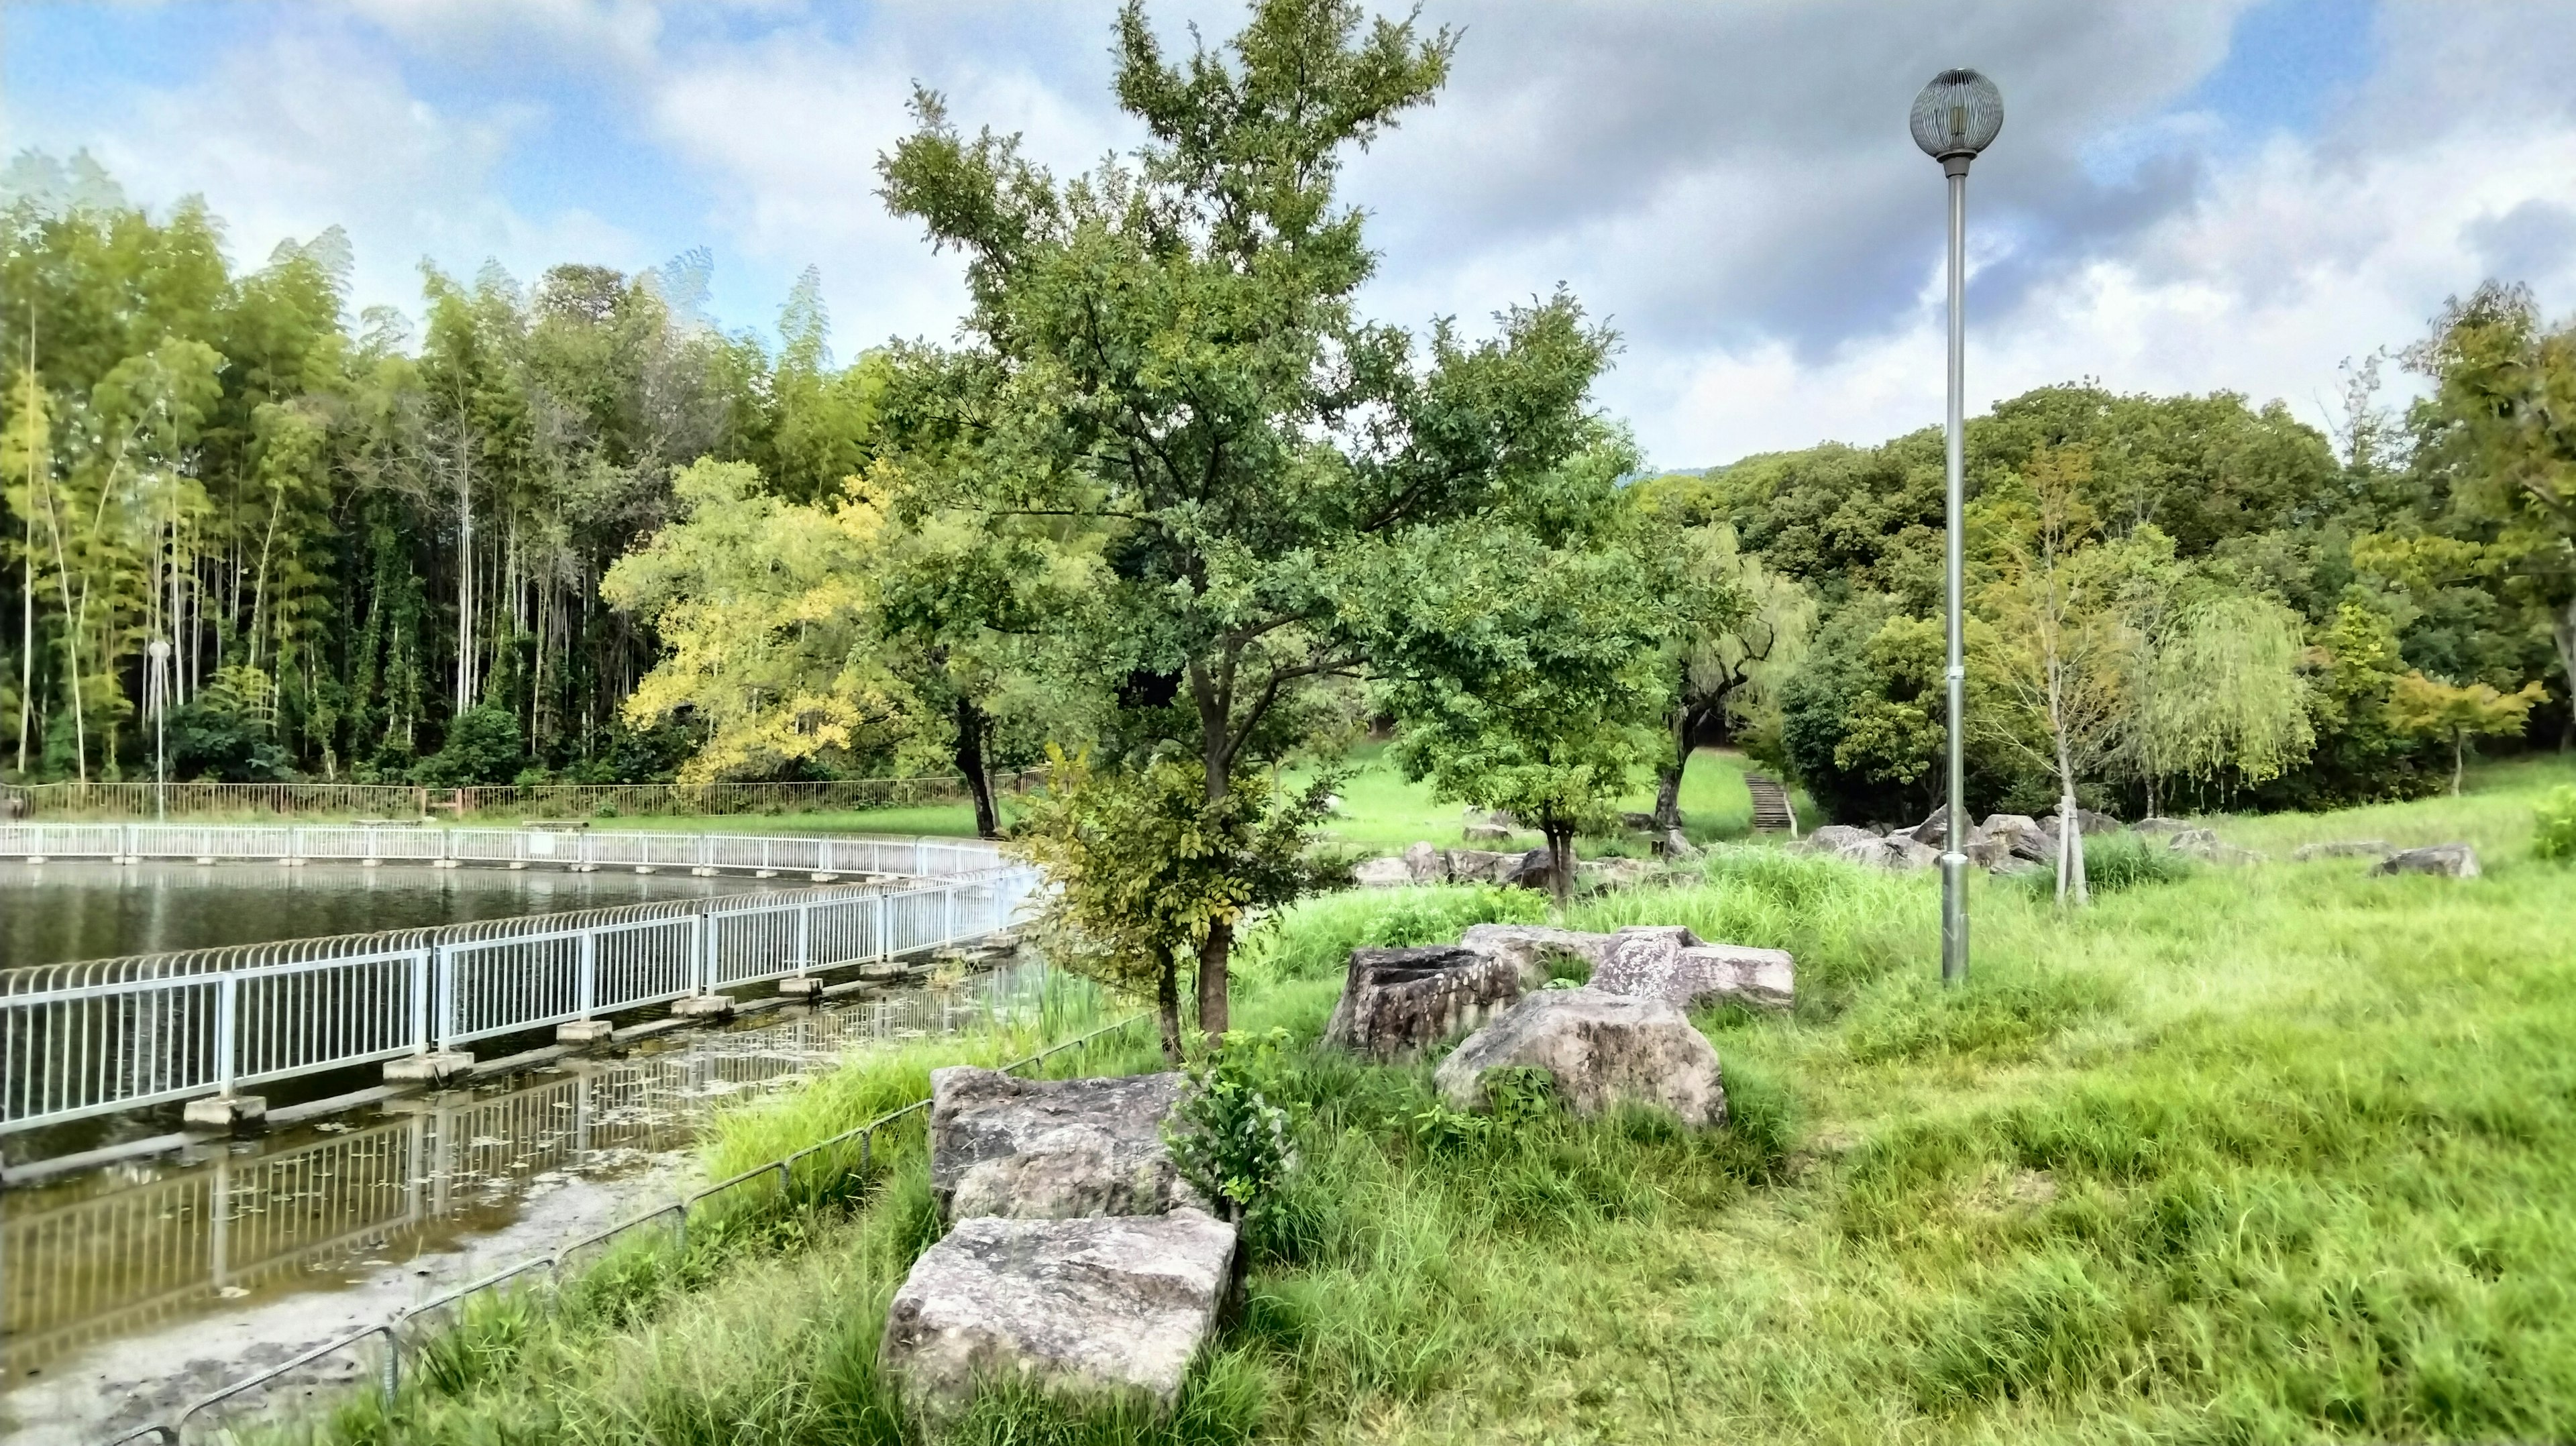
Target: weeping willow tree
(2221, 695)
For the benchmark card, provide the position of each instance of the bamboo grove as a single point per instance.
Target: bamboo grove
(325, 543)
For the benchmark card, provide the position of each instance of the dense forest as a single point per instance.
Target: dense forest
(374, 549)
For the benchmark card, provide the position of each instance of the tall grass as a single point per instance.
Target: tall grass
(2285, 1153)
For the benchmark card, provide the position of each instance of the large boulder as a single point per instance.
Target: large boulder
(2345, 848)
(1600, 1048)
(2022, 838)
(1397, 1003)
(2450, 860)
(2156, 827)
(1673, 964)
(1835, 837)
(1107, 1307)
(1526, 947)
(1052, 1149)
(1676, 845)
(2206, 846)
(2087, 822)
(1614, 872)
(1535, 870)
(1485, 833)
(1383, 873)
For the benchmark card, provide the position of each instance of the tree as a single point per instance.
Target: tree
(2505, 393)
(1147, 866)
(2221, 694)
(1528, 679)
(2457, 713)
(1168, 355)
(2058, 646)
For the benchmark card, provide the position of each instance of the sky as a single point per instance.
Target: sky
(2241, 194)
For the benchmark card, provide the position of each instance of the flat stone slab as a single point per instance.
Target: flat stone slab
(435, 1067)
(1116, 1306)
(1677, 966)
(703, 1006)
(1053, 1149)
(1397, 1003)
(2450, 860)
(242, 1114)
(1601, 1048)
(1527, 947)
(1382, 873)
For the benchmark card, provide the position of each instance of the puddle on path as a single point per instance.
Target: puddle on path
(128, 1292)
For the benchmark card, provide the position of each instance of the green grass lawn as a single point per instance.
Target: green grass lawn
(1383, 812)
(2276, 1154)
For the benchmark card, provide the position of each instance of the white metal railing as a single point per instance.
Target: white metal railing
(565, 848)
(118, 1034)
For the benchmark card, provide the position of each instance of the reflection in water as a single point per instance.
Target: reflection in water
(138, 1249)
(57, 912)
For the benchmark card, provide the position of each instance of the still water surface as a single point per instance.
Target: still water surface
(133, 1290)
(56, 912)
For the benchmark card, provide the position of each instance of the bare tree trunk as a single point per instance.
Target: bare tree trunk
(1167, 1012)
(1560, 863)
(2459, 753)
(1212, 979)
(971, 726)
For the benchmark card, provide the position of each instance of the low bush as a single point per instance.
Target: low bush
(2553, 832)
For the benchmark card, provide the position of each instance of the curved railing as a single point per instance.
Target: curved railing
(108, 1035)
(509, 847)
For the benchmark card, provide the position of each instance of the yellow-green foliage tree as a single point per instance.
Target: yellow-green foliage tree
(2457, 712)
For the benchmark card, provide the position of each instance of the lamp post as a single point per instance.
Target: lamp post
(1955, 117)
(158, 697)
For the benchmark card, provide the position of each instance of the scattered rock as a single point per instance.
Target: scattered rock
(2092, 825)
(2345, 848)
(2022, 837)
(1614, 872)
(1601, 1048)
(1534, 871)
(1989, 851)
(1112, 1307)
(1398, 1002)
(1427, 865)
(1676, 966)
(1677, 846)
(1383, 873)
(1525, 947)
(2206, 846)
(1835, 837)
(2450, 860)
(1052, 1149)
(2160, 827)
(1640, 823)
(1486, 833)
(1481, 866)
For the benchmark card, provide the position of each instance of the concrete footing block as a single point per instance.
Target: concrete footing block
(585, 868)
(825, 878)
(435, 1068)
(583, 1031)
(233, 1114)
(764, 873)
(371, 863)
(703, 871)
(882, 969)
(35, 858)
(518, 863)
(644, 868)
(801, 987)
(205, 858)
(703, 1006)
(443, 863)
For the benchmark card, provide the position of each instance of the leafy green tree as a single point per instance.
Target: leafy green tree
(2223, 694)
(1168, 355)
(2456, 713)
(1147, 867)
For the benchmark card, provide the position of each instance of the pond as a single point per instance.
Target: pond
(57, 912)
(135, 1289)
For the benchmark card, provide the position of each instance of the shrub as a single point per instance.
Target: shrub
(1225, 1136)
(2553, 833)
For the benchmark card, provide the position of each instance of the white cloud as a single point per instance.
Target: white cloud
(309, 129)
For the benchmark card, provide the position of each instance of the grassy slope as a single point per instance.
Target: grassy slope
(2278, 1154)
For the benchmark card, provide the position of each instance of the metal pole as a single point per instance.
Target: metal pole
(1954, 861)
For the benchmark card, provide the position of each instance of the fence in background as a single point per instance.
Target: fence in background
(414, 1327)
(119, 1034)
(384, 800)
(509, 847)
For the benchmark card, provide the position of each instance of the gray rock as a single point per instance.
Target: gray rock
(1383, 873)
(1526, 947)
(1426, 864)
(1989, 851)
(2206, 846)
(1675, 965)
(1614, 872)
(1640, 822)
(1397, 1003)
(2450, 860)
(1481, 866)
(1601, 1048)
(2345, 848)
(2160, 827)
(1110, 1307)
(1535, 870)
(1052, 1149)
(1486, 833)
(2092, 825)
(1835, 837)
(2022, 838)
(1676, 845)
